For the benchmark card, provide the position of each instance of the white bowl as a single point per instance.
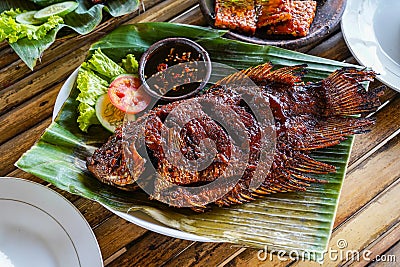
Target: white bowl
(39, 227)
(371, 29)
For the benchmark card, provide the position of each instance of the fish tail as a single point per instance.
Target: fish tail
(346, 95)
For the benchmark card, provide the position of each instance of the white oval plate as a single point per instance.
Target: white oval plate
(39, 227)
(137, 217)
(371, 29)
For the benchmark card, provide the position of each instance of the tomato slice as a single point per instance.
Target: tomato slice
(126, 94)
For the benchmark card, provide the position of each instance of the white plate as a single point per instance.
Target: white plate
(371, 29)
(136, 217)
(39, 227)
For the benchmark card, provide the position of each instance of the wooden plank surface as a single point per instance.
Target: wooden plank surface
(356, 233)
(13, 149)
(203, 254)
(390, 258)
(150, 250)
(386, 244)
(28, 114)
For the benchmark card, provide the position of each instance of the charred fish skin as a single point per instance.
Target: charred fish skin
(108, 164)
(307, 117)
(189, 139)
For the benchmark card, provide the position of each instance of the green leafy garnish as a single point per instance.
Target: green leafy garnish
(103, 65)
(12, 31)
(90, 86)
(130, 64)
(87, 116)
(46, 2)
(82, 20)
(93, 81)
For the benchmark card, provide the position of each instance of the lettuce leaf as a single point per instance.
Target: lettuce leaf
(130, 64)
(90, 86)
(87, 116)
(103, 65)
(82, 20)
(12, 31)
(93, 81)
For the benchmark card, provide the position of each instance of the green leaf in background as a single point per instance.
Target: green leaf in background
(82, 20)
(46, 2)
(300, 221)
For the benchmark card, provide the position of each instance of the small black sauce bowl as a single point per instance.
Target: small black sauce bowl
(154, 54)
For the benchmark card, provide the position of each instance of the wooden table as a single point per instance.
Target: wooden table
(368, 213)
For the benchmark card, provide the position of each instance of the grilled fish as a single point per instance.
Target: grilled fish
(307, 116)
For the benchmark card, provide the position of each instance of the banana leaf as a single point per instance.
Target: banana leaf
(300, 221)
(82, 20)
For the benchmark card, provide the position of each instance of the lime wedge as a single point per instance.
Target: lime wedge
(60, 9)
(27, 18)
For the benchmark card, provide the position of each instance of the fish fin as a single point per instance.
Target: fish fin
(345, 94)
(286, 75)
(242, 77)
(305, 180)
(305, 164)
(263, 74)
(327, 132)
